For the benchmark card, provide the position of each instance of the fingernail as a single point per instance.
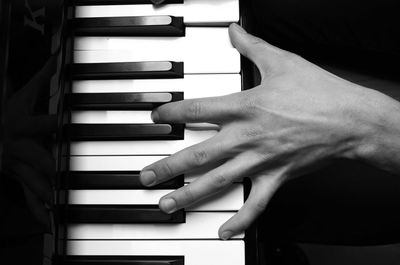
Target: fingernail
(148, 178)
(168, 205)
(154, 116)
(226, 235)
(239, 28)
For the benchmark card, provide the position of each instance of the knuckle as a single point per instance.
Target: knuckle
(188, 196)
(259, 206)
(291, 58)
(166, 169)
(257, 42)
(220, 181)
(248, 105)
(199, 157)
(253, 133)
(194, 110)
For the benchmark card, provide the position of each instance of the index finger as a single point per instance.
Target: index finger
(212, 110)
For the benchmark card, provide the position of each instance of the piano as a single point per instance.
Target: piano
(122, 59)
(117, 60)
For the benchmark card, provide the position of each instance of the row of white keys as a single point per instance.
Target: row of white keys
(195, 12)
(230, 199)
(200, 53)
(196, 252)
(217, 57)
(198, 225)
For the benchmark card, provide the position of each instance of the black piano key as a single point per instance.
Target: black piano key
(120, 101)
(112, 180)
(121, 260)
(125, 2)
(104, 132)
(127, 70)
(118, 214)
(130, 26)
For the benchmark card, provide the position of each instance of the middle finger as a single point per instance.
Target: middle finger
(213, 182)
(209, 151)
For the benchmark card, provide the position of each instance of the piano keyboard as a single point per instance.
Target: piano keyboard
(194, 12)
(128, 58)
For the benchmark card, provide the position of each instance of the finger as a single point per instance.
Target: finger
(263, 54)
(212, 110)
(263, 187)
(34, 154)
(37, 208)
(205, 186)
(36, 126)
(209, 151)
(31, 178)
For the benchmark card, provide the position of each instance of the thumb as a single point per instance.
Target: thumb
(263, 54)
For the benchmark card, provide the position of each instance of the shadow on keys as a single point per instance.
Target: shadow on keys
(28, 166)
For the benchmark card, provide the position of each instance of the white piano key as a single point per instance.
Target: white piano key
(203, 50)
(194, 11)
(127, 117)
(111, 163)
(145, 197)
(157, 147)
(196, 61)
(110, 116)
(126, 163)
(193, 86)
(197, 226)
(230, 199)
(196, 252)
(198, 37)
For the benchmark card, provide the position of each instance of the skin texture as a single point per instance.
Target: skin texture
(296, 120)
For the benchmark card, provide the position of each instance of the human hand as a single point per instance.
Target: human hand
(25, 157)
(298, 118)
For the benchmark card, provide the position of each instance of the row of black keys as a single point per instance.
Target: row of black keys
(118, 179)
(121, 260)
(149, 26)
(113, 213)
(125, 2)
(121, 101)
(129, 26)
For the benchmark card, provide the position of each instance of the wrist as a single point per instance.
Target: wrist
(377, 128)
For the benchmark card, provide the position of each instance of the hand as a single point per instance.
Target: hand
(25, 157)
(298, 118)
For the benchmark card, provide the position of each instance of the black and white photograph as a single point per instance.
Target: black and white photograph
(200, 132)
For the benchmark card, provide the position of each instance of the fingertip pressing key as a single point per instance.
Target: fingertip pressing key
(226, 235)
(148, 178)
(168, 205)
